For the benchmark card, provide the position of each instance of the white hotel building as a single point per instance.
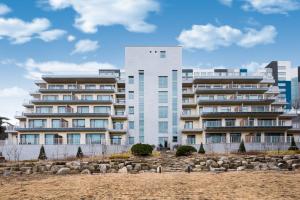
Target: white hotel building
(156, 101)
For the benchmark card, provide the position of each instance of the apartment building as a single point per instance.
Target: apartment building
(76, 110)
(228, 105)
(156, 101)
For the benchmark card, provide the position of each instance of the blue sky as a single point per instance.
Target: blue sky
(79, 36)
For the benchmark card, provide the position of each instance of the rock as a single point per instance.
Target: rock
(282, 165)
(212, 163)
(6, 173)
(55, 168)
(244, 162)
(103, 168)
(63, 171)
(240, 168)
(221, 169)
(296, 166)
(188, 169)
(129, 167)
(159, 169)
(121, 165)
(86, 171)
(220, 162)
(24, 169)
(74, 165)
(202, 163)
(137, 167)
(123, 170)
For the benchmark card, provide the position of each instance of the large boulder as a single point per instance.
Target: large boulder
(55, 168)
(103, 168)
(86, 171)
(123, 170)
(63, 171)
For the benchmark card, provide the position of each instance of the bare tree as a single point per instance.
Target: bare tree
(296, 104)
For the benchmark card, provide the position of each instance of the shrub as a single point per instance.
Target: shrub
(79, 153)
(120, 156)
(185, 150)
(242, 148)
(293, 146)
(42, 155)
(141, 150)
(201, 149)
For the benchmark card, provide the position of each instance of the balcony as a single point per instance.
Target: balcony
(101, 78)
(235, 101)
(67, 114)
(119, 102)
(62, 128)
(121, 92)
(262, 125)
(72, 101)
(189, 115)
(118, 128)
(241, 114)
(231, 89)
(190, 129)
(215, 77)
(188, 93)
(188, 103)
(78, 90)
(119, 115)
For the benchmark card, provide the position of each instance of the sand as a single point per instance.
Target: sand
(230, 185)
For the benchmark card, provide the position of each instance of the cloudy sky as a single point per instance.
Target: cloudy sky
(80, 36)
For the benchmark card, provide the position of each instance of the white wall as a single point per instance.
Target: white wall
(140, 58)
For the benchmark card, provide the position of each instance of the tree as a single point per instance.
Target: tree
(242, 148)
(293, 146)
(42, 155)
(201, 149)
(79, 153)
(296, 104)
(3, 134)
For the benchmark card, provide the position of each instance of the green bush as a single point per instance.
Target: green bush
(141, 149)
(42, 155)
(201, 149)
(79, 153)
(242, 148)
(293, 146)
(185, 150)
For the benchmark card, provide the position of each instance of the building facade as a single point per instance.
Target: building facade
(156, 101)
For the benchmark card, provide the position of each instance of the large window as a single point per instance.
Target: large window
(37, 123)
(131, 124)
(44, 109)
(130, 79)
(101, 109)
(131, 94)
(50, 97)
(53, 139)
(82, 109)
(163, 111)
(131, 110)
(55, 87)
(191, 139)
(131, 140)
(90, 87)
(87, 97)
(78, 123)
(104, 97)
(67, 97)
(73, 138)
(163, 82)
(29, 139)
(95, 138)
(163, 127)
(56, 123)
(99, 123)
(115, 140)
(162, 97)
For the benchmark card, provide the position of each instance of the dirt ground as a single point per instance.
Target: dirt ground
(230, 185)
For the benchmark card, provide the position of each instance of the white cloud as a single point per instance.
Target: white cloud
(4, 9)
(12, 92)
(84, 46)
(19, 31)
(93, 13)
(71, 38)
(209, 37)
(253, 66)
(36, 69)
(271, 6)
(51, 35)
(226, 2)
(253, 37)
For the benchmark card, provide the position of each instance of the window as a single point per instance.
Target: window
(130, 79)
(44, 109)
(162, 54)
(163, 127)
(90, 87)
(50, 97)
(163, 111)
(115, 140)
(56, 123)
(73, 138)
(37, 123)
(94, 138)
(67, 97)
(82, 109)
(131, 124)
(72, 86)
(188, 125)
(131, 95)
(162, 97)
(29, 139)
(235, 137)
(99, 123)
(86, 97)
(163, 82)
(56, 87)
(118, 125)
(131, 110)
(104, 97)
(101, 109)
(64, 109)
(191, 139)
(175, 139)
(131, 140)
(229, 122)
(78, 123)
(53, 139)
